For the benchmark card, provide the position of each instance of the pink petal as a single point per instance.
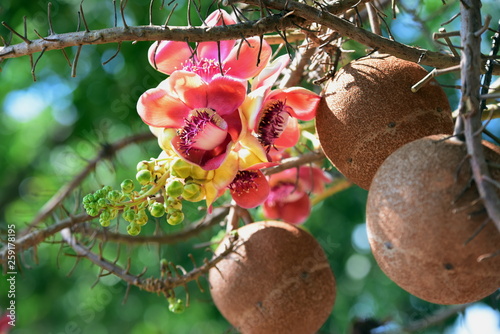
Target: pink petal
(313, 179)
(208, 160)
(303, 102)
(210, 50)
(290, 136)
(187, 87)
(245, 62)
(225, 95)
(268, 76)
(159, 109)
(250, 198)
(168, 55)
(295, 212)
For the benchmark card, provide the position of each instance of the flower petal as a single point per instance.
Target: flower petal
(187, 87)
(210, 50)
(246, 61)
(159, 109)
(313, 179)
(268, 76)
(225, 95)
(169, 56)
(303, 102)
(295, 212)
(255, 194)
(252, 106)
(290, 135)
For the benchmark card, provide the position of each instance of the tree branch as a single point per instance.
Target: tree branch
(347, 29)
(152, 284)
(470, 106)
(265, 25)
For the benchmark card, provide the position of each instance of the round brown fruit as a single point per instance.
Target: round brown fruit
(422, 216)
(368, 111)
(277, 280)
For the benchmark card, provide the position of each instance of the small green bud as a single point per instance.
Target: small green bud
(174, 188)
(103, 222)
(176, 305)
(114, 196)
(133, 229)
(180, 168)
(102, 203)
(141, 218)
(173, 204)
(113, 213)
(127, 186)
(175, 218)
(193, 192)
(129, 215)
(99, 194)
(143, 176)
(143, 165)
(106, 189)
(92, 212)
(157, 209)
(105, 215)
(89, 198)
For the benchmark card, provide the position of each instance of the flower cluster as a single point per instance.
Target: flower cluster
(218, 121)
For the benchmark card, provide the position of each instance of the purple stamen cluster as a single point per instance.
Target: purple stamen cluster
(205, 68)
(272, 123)
(193, 126)
(244, 182)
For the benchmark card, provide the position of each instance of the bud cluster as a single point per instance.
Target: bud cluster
(163, 184)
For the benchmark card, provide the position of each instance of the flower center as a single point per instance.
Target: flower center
(244, 182)
(272, 123)
(205, 68)
(203, 130)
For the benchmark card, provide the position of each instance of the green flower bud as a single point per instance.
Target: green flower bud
(114, 196)
(143, 176)
(193, 192)
(89, 198)
(102, 203)
(106, 189)
(141, 218)
(133, 229)
(92, 212)
(143, 165)
(180, 168)
(113, 213)
(174, 188)
(176, 305)
(200, 175)
(99, 194)
(157, 209)
(175, 218)
(104, 222)
(173, 205)
(129, 215)
(127, 186)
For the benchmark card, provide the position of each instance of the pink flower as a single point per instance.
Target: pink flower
(289, 196)
(272, 114)
(249, 188)
(205, 115)
(242, 60)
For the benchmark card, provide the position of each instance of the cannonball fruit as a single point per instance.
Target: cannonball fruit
(368, 111)
(423, 219)
(277, 280)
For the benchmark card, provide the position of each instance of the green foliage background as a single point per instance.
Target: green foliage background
(49, 128)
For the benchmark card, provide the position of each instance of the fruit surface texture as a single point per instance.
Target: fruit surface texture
(424, 222)
(368, 111)
(278, 280)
